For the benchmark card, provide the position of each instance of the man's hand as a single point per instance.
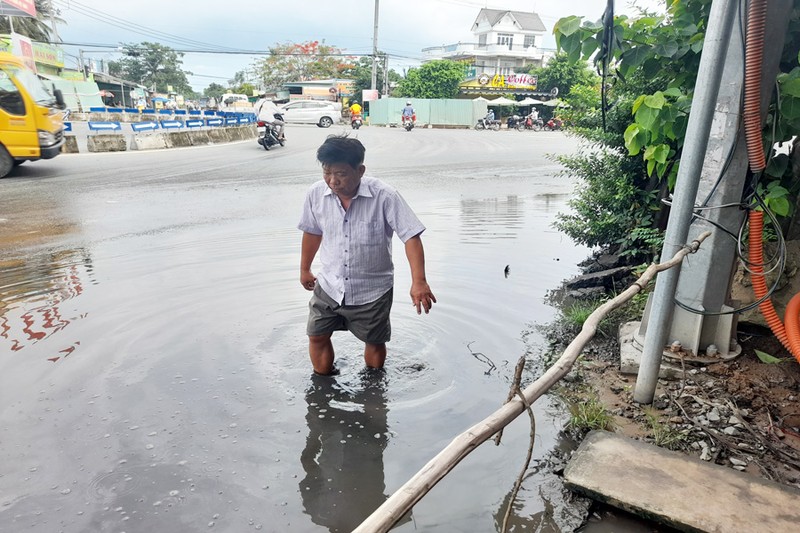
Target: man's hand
(422, 297)
(307, 280)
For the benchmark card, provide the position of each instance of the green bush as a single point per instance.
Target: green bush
(608, 204)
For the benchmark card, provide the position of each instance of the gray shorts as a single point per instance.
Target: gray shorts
(368, 322)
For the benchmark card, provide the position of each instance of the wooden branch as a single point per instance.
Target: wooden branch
(399, 503)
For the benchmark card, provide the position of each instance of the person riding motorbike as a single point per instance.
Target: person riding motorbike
(266, 111)
(409, 113)
(355, 113)
(487, 118)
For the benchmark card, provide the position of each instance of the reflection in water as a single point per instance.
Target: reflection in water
(491, 218)
(32, 292)
(343, 457)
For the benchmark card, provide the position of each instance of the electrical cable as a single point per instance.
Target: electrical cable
(111, 20)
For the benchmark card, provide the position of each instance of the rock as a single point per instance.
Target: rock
(737, 462)
(730, 430)
(588, 293)
(610, 261)
(713, 415)
(604, 278)
(705, 455)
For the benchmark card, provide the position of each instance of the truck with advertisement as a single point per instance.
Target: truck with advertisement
(31, 115)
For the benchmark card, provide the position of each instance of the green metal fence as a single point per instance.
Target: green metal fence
(436, 112)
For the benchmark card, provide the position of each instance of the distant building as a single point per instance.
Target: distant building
(330, 89)
(506, 45)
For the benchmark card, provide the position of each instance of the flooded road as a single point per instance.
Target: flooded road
(154, 373)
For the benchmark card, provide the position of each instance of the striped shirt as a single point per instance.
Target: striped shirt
(356, 249)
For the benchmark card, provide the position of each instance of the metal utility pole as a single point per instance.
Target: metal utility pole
(83, 64)
(53, 22)
(375, 49)
(715, 164)
(386, 74)
(709, 75)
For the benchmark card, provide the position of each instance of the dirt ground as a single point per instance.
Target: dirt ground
(743, 414)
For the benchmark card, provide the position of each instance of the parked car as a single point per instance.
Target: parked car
(320, 112)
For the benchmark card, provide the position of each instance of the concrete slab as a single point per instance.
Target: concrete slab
(107, 142)
(70, 145)
(630, 354)
(677, 490)
(152, 141)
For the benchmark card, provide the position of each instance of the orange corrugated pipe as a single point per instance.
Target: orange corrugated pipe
(788, 333)
(756, 257)
(754, 56)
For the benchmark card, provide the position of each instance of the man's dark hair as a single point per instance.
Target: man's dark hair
(341, 149)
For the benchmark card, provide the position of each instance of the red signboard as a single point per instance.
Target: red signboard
(18, 8)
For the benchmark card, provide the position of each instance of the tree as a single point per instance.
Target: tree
(214, 90)
(562, 73)
(435, 79)
(361, 72)
(153, 65)
(298, 62)
(653, 66)
(34, 27)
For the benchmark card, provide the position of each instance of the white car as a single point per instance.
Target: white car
(320, 112)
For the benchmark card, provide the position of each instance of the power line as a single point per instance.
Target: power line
(111, 20)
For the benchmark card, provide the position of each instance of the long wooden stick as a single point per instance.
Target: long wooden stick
(399, 503)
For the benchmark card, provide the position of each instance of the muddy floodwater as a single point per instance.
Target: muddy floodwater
(154, 374)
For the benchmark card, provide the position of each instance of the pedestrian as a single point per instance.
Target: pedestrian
(350, 219)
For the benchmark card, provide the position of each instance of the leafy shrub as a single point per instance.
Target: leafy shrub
(608, 205)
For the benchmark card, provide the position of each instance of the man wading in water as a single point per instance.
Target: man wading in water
(350, 220)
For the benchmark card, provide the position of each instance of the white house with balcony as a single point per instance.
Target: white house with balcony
(506, 44)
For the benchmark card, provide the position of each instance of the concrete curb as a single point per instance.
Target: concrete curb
(70, 145)
(108, 142)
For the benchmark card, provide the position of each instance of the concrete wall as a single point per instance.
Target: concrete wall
(118, 142)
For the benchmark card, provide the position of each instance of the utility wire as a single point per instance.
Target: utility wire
(130, 26)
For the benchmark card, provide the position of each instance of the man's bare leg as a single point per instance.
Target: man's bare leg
(320, 349)
(375, 355)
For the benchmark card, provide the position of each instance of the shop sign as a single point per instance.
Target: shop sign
(18, 8)
(509, 81)
(45, 54)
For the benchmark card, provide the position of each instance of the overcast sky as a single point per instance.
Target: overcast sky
(405, 27)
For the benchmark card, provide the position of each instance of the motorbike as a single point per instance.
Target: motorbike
(269, 134)
(530, 124)
(408, 122)
(484, 124)
(356, 121)
(553, 124)
(513, 122)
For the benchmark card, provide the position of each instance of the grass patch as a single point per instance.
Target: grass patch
(589, 414)
(577, 312)
(663, 434)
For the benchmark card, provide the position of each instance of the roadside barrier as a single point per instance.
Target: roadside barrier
(144, 126)
(105, 126)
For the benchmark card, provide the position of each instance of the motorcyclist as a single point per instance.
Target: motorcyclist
(408, 111)
(532, 118)
(266, 110)
(488, 118)
(355, 111)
